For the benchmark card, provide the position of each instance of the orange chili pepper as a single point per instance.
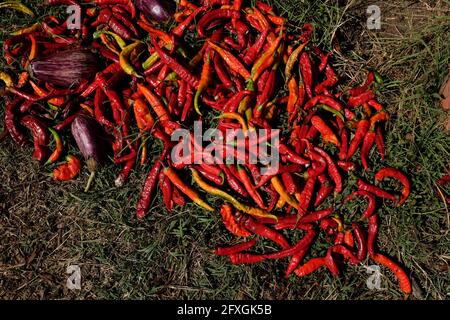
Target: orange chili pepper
(293, 95)
(230, 223)
(231, 61)
(205, 78)
(326, 132)
(266, 60)
(154, 102)
(405, 284)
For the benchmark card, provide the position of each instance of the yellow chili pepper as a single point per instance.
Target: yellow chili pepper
(278, 186)
(120, 42)
(235, 116)
(123, 59)
(26, 30)
(6, 78)
(14, 5)
(222, 194)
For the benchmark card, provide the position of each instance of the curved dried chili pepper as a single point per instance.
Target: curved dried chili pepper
(300, 245)
(371, 205)
(11, 123)
(58, 147)
(400, 176)
(68, 170)
(147, 191)
(310, 266)
(237, 248)
(230, 223)
(40, 136)
(167, 190)
(360, 241)
(375, 190)
(278, 186)
(361, 131)
(258, 228)
(367, 145)
(403, 279)
(205, 78)
(326, 132)
(232, 62)
(179, 69)
(333, 170)
(215, 15)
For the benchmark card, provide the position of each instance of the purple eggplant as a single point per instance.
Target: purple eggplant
(87, 134)
(158, 10)
(65, 68)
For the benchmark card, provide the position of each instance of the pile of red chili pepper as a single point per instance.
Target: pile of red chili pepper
(250, 72)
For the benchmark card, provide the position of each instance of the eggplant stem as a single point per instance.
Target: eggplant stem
(91, 178)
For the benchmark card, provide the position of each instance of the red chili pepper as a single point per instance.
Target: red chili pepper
(343, 150)
(331, 263)
(306, 71)
(316, 216)
(355, 101)
(361, 132)
(346, 253)
(371, 205)
(396, 174)
(346, 165)
(230, 223)
(300, 245)
(368, 142)
(146, 194)
(245, 179)
(178, 198)
(289, 183)
(326, 132)
(254, 50)
(310, 266)
(375, 190)
(179, 69)
(295, 261)
(333, 170)
(237, 248)
(324, 192)
(181, 27)
(11, 123)
(216, 14)
(40, 135)
(379, 141)
(246, 258)
(403, 279)
(304, 199)
(360, 241)
(349, 241)
(67, 171)
(232, 62)
(257, 228)
(326, 100)
(167, 190)
(291, 155)
(372, 234)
